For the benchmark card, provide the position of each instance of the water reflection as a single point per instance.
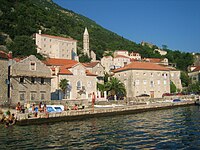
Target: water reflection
(177, 128)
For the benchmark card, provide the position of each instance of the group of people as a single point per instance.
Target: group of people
(8, 118)
(40, 109)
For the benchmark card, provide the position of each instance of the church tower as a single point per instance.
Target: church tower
(86, 48)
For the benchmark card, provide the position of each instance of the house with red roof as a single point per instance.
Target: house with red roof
(96, 68)
(82, 82)
(142, 78)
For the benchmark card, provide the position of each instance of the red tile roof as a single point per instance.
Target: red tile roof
(142, 66)
(121, 56)
(91, 64)
(58, 37)
(64, 70)
(3, 55)
(196, 69)
(153, 60)
(59, 62)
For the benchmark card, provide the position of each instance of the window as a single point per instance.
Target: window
(42, 80)
(42, 95)
(33, 96)
(32, 80)
(137, 82)
(144, 82)
(33, 66)
(22, 96)
(165, 82)
(21, 80)
(144, 74)
(151, 83)
(158, 82)
(152, 74)
(78, 85)
(137, 73)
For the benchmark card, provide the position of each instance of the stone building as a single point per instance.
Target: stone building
(3, 77)
(107, 63)
(175, 77)
(81, 81)
(121, 52)
(144, 78)
(159, 61)
(161, 52)
(56, 47)
(30, 81)
(195, 75)
(135, 56)
(96, 68)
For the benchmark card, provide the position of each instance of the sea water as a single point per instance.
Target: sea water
(176, 128)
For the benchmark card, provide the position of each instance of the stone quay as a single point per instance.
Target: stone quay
(73, 115)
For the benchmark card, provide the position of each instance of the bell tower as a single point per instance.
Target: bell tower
(86, 41)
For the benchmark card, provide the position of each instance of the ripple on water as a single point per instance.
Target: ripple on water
(177, 128)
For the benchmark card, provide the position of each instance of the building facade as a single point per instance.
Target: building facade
(30, 81)
(56, 47)
(195, 75)
(81, 81)
(3, 77)
(144, 78)
(96, 68)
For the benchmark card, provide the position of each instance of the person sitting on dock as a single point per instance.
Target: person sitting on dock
(34, 111)
(18, 107)
(40, 108)
(75, 107)
(45, 111)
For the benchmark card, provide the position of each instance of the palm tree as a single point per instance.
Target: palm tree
(115, 87)
(63, 85)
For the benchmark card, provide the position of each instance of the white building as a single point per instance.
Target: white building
(56, 47)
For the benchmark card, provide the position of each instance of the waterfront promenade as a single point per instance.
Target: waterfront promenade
(71, 115)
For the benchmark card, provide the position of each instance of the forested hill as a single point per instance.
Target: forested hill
(20, 19)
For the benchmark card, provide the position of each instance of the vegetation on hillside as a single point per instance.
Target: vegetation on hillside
(23, 18)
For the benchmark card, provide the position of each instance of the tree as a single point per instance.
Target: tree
(184, 79)
(194, 88)
(22, 46)
(63, 85)
(173, 88)
(115, 87)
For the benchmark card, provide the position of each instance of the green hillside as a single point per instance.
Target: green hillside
(20, 19)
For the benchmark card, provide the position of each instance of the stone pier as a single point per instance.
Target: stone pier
(71, 115)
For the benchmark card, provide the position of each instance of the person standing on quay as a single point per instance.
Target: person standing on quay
(93, 100)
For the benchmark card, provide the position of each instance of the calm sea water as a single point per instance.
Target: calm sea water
(177, 128)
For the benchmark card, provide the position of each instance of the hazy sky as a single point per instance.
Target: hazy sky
(175, 23)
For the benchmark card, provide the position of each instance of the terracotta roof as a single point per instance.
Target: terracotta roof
(153, 60)
(88, 73)
(122, 56)
(3, 55)
(64, 70)
(91, 64)
(196, 69)
(58, 37)
(141, 66)
(59, 62)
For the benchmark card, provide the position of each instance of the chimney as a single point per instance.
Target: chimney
(40, 31)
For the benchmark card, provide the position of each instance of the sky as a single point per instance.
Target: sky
(175, 23)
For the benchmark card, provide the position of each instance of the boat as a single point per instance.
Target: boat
(50, 108)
